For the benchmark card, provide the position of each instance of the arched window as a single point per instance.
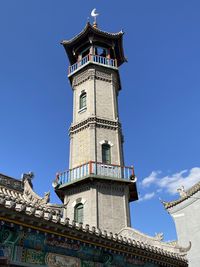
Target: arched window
(83, 98)
(106, 155)
(78, 213)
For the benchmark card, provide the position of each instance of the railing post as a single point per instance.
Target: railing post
(92, 58)
(108, 56)
(90, 167)
(133, 173)
(132, 168)
(96, 168)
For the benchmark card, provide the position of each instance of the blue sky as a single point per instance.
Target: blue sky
(159, 101)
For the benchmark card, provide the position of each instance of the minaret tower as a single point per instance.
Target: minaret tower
(97, 188)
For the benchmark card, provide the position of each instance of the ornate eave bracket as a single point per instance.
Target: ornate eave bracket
(30, 196)
(183, 250)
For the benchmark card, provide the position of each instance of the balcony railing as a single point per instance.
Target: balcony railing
(95, 59)
(96, 169)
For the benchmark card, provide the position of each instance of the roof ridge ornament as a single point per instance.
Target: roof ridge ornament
(182, 192)
(94, 15)
(29, 177)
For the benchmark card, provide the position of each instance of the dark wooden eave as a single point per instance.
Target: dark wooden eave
(91, 34)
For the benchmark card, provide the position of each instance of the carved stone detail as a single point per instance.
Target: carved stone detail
(103, 75)
(95, 122)
(159, 236)
(106, 187)
(182, 192)
(30, 196)
(184, 250)
(90, 73)
(82, 77)
(78, 190)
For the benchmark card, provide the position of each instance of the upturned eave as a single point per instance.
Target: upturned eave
(91, 34)
(188, 194)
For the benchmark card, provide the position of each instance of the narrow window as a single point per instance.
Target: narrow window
(78, 213)
(106, 157)
(83, 98)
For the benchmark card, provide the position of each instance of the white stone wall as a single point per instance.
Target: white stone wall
(104, 205)
(101, 87)
(112, 137)
(187, 220)
(104, 100)
(112, 201)
(101, 96)
(80, 148)
(86, 145)
(78, 115)
(87, 194)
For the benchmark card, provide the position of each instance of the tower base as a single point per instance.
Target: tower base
(105, 201)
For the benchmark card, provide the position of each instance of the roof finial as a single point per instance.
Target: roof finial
(182, 191)
(94, 14)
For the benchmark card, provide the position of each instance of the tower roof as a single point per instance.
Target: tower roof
(93, 35)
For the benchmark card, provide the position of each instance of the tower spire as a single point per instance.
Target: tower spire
(94, 14)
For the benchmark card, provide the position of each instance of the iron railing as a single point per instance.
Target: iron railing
(97, 169)
(95, 59)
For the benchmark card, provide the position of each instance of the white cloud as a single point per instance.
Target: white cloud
(151, 179)
(147, 196)
(159, 190)
(171, 183)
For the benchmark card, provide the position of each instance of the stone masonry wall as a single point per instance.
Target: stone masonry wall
(187, 217)
(101, 88)
(112, 137)
(105, 205)
(113, 213)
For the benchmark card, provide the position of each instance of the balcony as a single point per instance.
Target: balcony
(99, 60)
(95, 169)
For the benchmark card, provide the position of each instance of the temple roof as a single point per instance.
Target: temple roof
(156, 240)
(21, 192)
(187, 194)
(27, 207)
(94, 35)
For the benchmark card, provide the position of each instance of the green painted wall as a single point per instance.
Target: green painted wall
(32, 248)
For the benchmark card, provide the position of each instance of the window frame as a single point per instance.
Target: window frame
(83, 101)
(106, 158)
(78, 213)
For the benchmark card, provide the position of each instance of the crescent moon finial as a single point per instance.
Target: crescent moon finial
(94, 14)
